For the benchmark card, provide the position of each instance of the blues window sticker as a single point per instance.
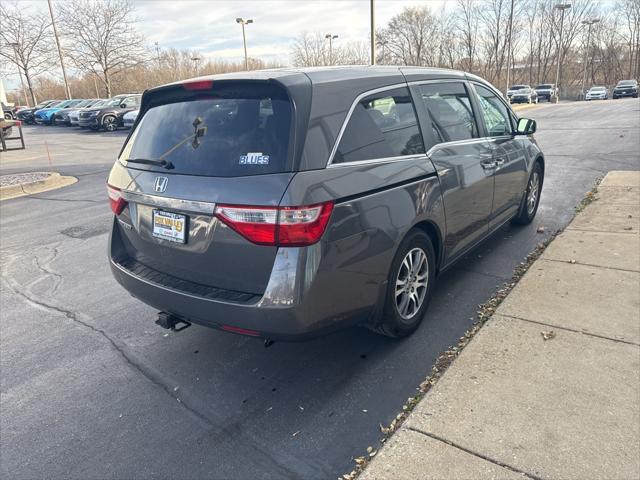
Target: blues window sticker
(254, 158)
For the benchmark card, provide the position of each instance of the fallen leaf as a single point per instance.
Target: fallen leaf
(572, 261)
(359, 460)
(540, 229)
(628, 228)
(369, 449)
(548, 335)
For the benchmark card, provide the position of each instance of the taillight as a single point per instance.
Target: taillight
(281, 226)
(116, 202)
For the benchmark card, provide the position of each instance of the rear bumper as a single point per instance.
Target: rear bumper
(299, 302)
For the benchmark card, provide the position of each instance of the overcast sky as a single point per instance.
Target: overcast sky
(210, 27)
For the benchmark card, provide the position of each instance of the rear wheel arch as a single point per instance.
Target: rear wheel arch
(434, 234)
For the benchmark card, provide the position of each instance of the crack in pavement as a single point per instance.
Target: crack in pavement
(120, 349)
(48, 273)
(476, 454)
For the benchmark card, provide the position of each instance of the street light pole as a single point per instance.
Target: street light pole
(562, 7)
(244, 22)
(373, 32)
(586, 50)
(196, 61)
(55, 34)
(331, 38)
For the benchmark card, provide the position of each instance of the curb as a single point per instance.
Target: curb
(54, 181)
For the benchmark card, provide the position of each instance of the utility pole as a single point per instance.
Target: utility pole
(331, 38)
(586, 51)
(55, 34)
(244, 22)
(510, 39)
(562, 7)
(24, 91)
(373, 32)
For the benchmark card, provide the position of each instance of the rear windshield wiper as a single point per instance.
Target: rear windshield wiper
(146, 161)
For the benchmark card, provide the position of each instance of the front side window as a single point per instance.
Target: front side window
(494, 112)
(382, 125)
(450, 111)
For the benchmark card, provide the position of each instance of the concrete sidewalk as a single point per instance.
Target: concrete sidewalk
(517, 405)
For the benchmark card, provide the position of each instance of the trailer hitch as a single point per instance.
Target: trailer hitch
(169, 321)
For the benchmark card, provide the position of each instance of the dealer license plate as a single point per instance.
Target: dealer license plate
(169, 226)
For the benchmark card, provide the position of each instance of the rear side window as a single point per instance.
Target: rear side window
(450, 110)
(232, 130)
(382, 125)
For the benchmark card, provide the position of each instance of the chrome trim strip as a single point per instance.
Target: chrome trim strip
(193, 206)
(378, 160)
(350, 112)
(470, 141)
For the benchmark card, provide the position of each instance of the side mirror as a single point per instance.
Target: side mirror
(526, 126)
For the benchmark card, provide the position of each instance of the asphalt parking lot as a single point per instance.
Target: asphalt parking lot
(92, 388)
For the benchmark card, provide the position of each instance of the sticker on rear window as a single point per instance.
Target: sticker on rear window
(254, 158)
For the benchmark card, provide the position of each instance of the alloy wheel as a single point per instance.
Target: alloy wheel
(411, 283)
(532, 196)
(110, 124)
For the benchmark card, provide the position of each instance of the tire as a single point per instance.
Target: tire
(8, 116)
(110, 123)
(528, 210)
(402, 320)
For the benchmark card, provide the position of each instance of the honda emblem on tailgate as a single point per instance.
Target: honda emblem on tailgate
(160, 185)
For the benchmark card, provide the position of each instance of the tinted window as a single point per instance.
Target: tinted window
(241, 130)
(381, 125)
(450, 111)
(494, 112)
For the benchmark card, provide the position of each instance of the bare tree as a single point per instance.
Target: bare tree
(467, 27)
(631, 14)
(310, 50)
(102, 38)
(411, 37)
(25, 41)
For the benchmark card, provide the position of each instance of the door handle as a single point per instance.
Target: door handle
(488, 164)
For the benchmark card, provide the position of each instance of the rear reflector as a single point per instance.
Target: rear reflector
(198, 85)
(277, 226)
(116, 202)
(241, 331)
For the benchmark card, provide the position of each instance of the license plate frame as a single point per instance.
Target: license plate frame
(173, 227)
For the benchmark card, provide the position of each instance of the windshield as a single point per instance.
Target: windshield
(517, 87)
(627, 83)
(544, 86)
(114, 102)
(234, 130)
(597, 89)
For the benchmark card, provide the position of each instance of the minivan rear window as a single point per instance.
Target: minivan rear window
(231, 130)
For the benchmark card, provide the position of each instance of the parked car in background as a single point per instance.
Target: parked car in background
(524, 95)
(109, 116)
(27, 115)
(547, 91)
(8, 112)
(284, 204)
(44, 116)
(597, 93)
(130, 118)
(74, 113)
(626, 88)
(514, 88)
(61, 117)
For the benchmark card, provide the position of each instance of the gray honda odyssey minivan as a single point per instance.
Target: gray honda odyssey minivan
(284, 204)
